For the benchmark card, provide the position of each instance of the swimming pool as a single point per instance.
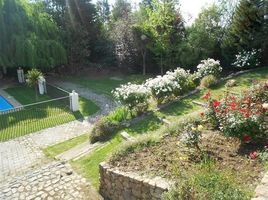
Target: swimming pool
(4, 104)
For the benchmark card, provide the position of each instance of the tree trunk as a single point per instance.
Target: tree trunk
(36, 94)
(161, 65)
(4, 70)
(144, 63)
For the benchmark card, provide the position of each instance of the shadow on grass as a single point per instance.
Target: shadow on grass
(181, 107)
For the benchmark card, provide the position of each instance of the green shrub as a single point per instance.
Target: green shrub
(106, 126)
(119, 115)
(103, 130)
(208, 81)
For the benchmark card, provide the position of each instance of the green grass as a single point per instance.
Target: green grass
(104, 85)
(26, 95)
(243, 82)
(35, 118)
(57, 149)
(88, 166)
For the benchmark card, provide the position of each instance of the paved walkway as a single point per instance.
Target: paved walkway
(54, 181)
(22, 155)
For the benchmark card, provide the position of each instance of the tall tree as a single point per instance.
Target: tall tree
(203, 37)
(166, 27)
(121, 9)
(246, 24)
(103, 9)
(80, 26)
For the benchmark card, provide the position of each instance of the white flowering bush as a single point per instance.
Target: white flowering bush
(183, 79)
(162, 87)
(209, 67)
(133, 96)
(247, 59)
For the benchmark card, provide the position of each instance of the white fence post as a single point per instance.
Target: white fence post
(42, 85)
(74, 101)
(20, 74)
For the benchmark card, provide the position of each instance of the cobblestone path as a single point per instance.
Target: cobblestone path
(20, 158)
(54, 181)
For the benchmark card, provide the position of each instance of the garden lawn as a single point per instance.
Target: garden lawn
(104, 85)
(37, 117)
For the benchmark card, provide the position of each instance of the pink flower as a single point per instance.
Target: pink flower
(253, 155)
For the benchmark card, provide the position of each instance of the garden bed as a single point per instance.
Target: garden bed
(171, 158)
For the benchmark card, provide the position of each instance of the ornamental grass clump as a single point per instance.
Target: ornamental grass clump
(208, 81)
(241, 117)
(209, 67)
(135, 97)
(163, 88)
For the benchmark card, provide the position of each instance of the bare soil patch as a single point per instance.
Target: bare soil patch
(170, 156)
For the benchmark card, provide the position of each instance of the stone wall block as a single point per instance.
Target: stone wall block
(118, 185)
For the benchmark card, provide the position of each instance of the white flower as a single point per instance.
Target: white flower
(265, 105)
(208, 67)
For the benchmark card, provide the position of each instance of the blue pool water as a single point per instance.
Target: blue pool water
(4, 104)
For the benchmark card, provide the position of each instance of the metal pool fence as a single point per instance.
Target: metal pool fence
(37, 116)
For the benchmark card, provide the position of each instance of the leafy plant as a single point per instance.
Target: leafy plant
(103, 130)
(32, 80)
(192, 135)
(208, 81)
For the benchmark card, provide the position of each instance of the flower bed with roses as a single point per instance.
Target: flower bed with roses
(241, 117)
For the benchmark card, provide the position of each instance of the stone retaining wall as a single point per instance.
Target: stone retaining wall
(117, 185)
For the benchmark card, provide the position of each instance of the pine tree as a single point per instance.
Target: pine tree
(246, 24)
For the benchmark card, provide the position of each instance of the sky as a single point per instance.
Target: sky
(189, 8)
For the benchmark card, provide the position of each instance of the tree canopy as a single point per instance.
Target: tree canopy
(29, 36)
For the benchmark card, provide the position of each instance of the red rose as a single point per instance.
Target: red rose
(253, 155)
(247, 138)
(207, 95)
(216, 110)
(233, 105)
(246, 115)
(216, 103)
(243, 110)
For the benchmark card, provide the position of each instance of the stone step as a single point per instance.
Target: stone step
(126, 136)
(199, 103)
(78, 151)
